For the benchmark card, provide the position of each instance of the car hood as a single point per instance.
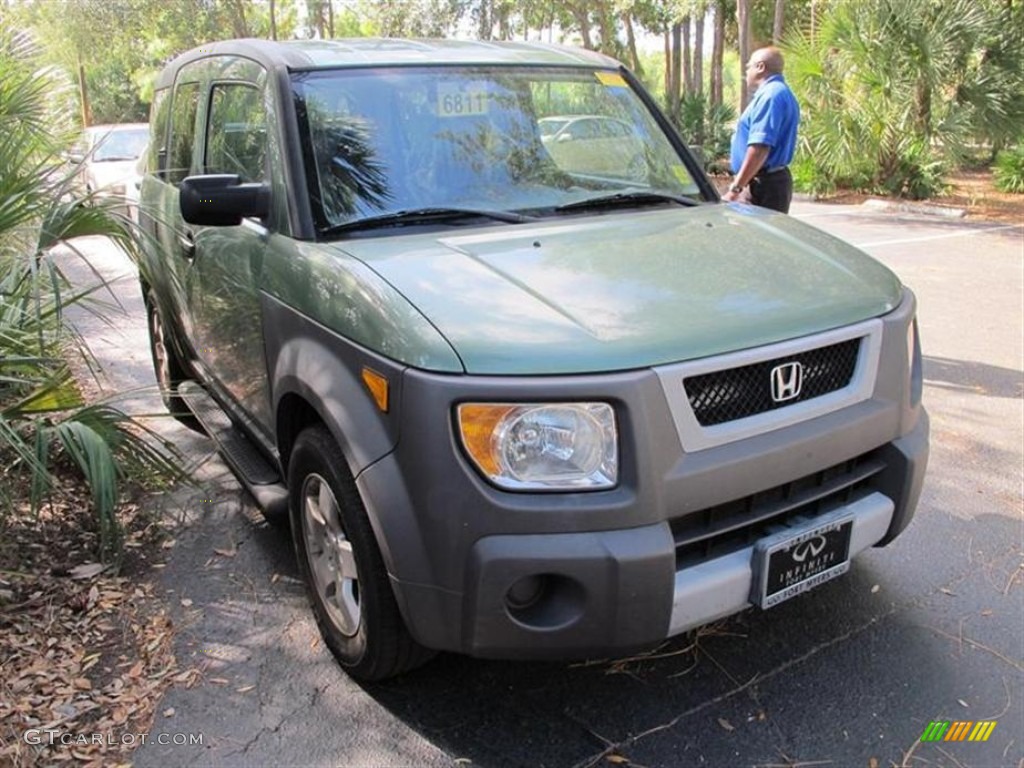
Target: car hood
(106, 174)
(621, 291)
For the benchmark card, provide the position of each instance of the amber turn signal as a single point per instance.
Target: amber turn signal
(378, 386)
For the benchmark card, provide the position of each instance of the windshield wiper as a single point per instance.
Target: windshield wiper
(626, 199)
(425, 216)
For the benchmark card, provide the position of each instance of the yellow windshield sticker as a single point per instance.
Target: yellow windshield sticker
(453, 101)
(680, 172)
(611, 79)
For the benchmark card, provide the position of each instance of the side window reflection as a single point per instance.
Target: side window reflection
(183, 129)
(236, 137)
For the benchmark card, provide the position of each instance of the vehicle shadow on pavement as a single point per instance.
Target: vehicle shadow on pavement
(978, 378)
(855, 670)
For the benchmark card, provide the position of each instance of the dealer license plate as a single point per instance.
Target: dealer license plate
(790, 563)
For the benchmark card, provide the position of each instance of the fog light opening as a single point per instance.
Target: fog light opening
(545, 602)
(525, 592)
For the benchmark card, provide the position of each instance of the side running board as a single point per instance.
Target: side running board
(257, 475)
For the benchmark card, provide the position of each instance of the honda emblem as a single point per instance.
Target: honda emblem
(787, 380)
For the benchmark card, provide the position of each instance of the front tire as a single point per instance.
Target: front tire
(345, 576)
(167, 367)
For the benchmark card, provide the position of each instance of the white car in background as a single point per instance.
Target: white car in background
(593, 144)
(107, 156)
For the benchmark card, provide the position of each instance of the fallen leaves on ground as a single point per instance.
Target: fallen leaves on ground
(84, 651)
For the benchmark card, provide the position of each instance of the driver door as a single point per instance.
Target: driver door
(223, 288)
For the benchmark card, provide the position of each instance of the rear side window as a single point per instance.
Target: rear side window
(159, 115)
(236, 132)
(183, 132)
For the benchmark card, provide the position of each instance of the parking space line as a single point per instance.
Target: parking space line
(812, 214)
(943, 236)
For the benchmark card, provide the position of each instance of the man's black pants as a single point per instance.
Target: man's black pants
(770, 190)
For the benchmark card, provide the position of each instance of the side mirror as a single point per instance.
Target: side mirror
(75, 157)
(564, 137)
(222, 200)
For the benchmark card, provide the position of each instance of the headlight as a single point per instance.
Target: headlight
(553, 446)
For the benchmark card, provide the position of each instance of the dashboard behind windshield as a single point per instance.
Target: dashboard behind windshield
(522, 139)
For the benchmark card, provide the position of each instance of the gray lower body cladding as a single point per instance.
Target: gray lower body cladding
(545, 575)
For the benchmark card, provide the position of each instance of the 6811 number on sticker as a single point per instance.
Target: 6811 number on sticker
(455, 102)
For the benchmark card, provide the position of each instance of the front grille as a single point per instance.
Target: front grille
(736, 393)
(726, 528)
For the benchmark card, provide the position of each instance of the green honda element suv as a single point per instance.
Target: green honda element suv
(471, 320)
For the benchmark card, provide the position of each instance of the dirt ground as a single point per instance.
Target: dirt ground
(975, 191)
(970, 190)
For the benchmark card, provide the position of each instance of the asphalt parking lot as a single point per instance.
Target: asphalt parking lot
(851, 674)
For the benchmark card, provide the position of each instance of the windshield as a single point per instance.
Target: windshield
(121, 145)
(495, 138)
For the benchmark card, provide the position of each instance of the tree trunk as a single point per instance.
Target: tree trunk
(330, 18)
(687, 57)
(609, 38)
(923, 109)
(698, 53)
(238, 22)
(486, 25)
(777, 25)
(273, 21)
(668, 68)
(504, 25)
(317, 9)
(583, 20)
(634, 56)
(743, 22)
(83, 94)
(677, 65)
(717, 51)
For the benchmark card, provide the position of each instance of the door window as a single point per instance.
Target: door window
(236, 132)
(160, 115)
(183, 132)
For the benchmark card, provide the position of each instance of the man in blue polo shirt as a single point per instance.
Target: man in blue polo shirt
(765, 138)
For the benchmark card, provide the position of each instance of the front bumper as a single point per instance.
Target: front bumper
(617, 591)
(530, 575)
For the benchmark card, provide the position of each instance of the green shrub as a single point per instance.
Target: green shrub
(705, 127)
(42, 413)
(914, 173)
(1009, 170)
(811, 179)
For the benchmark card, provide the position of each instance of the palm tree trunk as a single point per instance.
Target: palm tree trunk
(777, 25)
(668, 68)
(330, 18)
(698, 53)
(743, 20)
(717, 51)
(923, 110)
(273, 21)
(677, 80)
(687, 57)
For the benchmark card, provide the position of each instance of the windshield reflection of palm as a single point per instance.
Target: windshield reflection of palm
(357, 177)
